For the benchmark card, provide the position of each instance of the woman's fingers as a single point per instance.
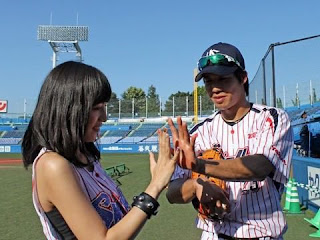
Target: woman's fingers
(153, 162)
(164, 142)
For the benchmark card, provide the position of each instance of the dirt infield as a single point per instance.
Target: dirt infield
(10, 161)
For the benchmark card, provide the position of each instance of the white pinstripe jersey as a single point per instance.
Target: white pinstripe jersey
(101, 191)
(255, 205)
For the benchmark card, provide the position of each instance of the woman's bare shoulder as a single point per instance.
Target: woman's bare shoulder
(52, 163)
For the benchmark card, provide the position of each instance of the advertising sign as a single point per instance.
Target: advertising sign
(3, 106)
(313, 181)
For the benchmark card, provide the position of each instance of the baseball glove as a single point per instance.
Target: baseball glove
(204, 208)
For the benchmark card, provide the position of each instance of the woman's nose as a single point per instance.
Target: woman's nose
(103, 115)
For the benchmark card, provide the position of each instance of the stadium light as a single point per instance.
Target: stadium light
(63, 39)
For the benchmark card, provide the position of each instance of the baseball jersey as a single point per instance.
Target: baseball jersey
(255, 205)
(102, 192)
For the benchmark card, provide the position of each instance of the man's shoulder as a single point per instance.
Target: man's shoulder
(205, 121)
(262, 109)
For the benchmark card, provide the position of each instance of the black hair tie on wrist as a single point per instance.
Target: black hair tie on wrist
(146, 203)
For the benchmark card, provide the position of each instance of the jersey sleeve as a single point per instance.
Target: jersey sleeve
(275, 141)
(180, 173)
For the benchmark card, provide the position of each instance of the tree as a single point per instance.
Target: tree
(207, 106)
(296, 101)
(113, 106)
(179, 103)
(314, 95)
(136, 96)
(153, 101)
(279, 103)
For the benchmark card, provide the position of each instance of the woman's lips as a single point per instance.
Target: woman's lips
(96, 128)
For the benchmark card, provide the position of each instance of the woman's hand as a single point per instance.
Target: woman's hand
(162, 169)
(182, 141)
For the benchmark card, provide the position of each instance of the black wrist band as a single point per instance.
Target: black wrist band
(146, 203)
(200, 166)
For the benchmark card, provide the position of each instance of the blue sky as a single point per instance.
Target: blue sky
(139, 43)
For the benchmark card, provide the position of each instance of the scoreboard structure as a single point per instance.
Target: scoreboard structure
(63, 39)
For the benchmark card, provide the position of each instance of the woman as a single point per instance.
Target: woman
(72, 194)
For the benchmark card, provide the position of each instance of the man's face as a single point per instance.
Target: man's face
(225, 91)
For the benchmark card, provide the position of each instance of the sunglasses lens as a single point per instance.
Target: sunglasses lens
(203, 62)
(216, 59)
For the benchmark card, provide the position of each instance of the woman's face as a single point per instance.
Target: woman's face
(97, 116)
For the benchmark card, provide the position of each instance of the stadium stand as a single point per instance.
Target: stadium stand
(313, 122)
(143, 131)
(10, 141)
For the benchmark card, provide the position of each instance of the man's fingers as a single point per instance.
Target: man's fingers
(185, 132)
(176, 155)
(173, 129)
(193, 140)
(225, 204)
(180, 128)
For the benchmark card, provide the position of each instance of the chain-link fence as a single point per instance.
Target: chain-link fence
(156, 107)
(288, 75)
(132, 108)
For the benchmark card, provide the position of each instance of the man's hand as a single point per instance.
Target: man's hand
(182, 140)
(212, 201)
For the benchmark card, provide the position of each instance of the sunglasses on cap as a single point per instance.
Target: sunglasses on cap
(217, 59)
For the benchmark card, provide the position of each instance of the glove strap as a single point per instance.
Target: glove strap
(146, 203)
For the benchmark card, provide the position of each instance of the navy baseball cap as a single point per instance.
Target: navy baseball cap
(230, 52)
(302, 113)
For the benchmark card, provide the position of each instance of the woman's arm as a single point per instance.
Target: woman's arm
(58, 186)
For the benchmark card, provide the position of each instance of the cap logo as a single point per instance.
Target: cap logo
(212, 52)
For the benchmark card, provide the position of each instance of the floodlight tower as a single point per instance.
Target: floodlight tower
(63, 39)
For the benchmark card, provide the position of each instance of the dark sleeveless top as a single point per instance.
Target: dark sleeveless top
(60, 225)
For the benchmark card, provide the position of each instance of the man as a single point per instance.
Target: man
(304, 135)
(256, 142)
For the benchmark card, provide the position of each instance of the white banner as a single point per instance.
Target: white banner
(314, 181)
(5, 149)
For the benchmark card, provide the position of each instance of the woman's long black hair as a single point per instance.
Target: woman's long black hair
(62, 111)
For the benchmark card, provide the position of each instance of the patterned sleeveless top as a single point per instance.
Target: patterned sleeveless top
(103, 193)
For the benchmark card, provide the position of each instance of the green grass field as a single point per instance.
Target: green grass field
(18, 219)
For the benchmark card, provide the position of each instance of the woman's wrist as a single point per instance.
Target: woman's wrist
(146, 203)
(153, 190)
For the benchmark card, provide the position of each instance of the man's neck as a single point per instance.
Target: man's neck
(236, 112)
